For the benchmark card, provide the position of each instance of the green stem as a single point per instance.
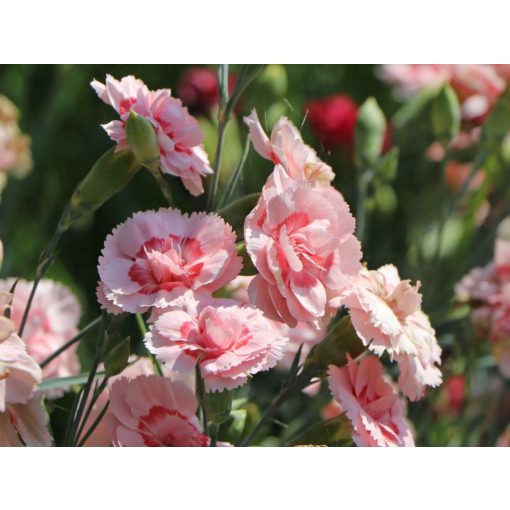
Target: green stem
(232, 184)
(94, 425)
(70, 342)
(244, 79)
(46, 260)
(365, 176)
(200, 390)
(213, 431)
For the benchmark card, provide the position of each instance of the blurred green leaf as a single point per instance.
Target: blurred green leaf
(117, 354)
(445, 115)
(370, 130)
(387, 167)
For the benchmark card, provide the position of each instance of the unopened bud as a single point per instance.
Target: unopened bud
(142, 140)
(111, 172)
(370, 130)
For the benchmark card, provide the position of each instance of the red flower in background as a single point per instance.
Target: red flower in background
(456, 391)
(198, 89)
(333, 121)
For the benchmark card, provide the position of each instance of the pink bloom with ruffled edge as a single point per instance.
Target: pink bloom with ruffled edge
(371, 403)
(156, 255)
(228, 340)
(153, 411)
(52, 321)
(386, 313)
(178, 133)
(286, 148)
(22, 419)
(301, 240)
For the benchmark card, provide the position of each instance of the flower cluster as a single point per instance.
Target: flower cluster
(478, 86)
(487, 290)
(22, 418)
(15, 155)
(52, 321)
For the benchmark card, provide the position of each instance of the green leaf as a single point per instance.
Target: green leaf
(445, 115)
(370, 129)
(385, 198)
(387, 167)
(65, 382)
(333, 432)
(117, 354)
(497, 125)
(235, 212)
(340, 341)
(232, 430)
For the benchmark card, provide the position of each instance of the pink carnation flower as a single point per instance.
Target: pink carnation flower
(178, 133)
(286, 148)
(301, 240)
(22, 420)
(487, 290)
(371, 404)
(153, 411)
(155, 255)
(52, 321)
(478, 86)
(386, 313)
(229, 342)
(303, 334)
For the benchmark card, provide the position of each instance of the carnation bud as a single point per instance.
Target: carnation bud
(218, 406)
(142, 139)
(370, 132)
(445, 115)
(110, 173)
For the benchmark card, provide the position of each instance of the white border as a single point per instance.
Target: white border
(319, 31)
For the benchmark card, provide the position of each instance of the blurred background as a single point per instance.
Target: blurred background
(407, 220)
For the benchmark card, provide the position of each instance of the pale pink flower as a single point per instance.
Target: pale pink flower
(178, 133)
(371, 404)
(15, 155)
(478, 86)
(229, 342)
(386, 313)
(301, 240)
(487, 291)
(303, 334)
(22, 420)
(153, 411)
(101, 436)
(286, 148)
(53, 320)
(154, 256)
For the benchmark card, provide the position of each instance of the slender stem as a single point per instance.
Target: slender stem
(213, 431)
(94, 424)
(86, 389)
(244, 79)
(289, 388)
(364, 179)
(232, 185)
(162, 183)
(200, 390)
(70, 342)
(97, 392)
